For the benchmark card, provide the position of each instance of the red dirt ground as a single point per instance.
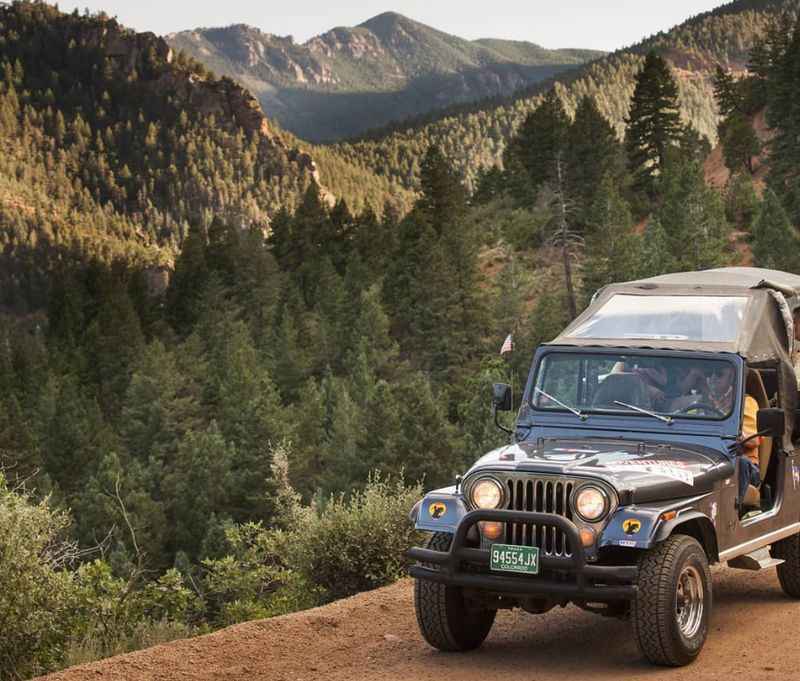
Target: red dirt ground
(374, 637)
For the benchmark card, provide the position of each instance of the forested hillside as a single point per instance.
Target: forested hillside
(476, 137)
(349, 80)
(116, 146)
(246, 439)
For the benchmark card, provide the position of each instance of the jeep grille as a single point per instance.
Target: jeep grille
(542, 495)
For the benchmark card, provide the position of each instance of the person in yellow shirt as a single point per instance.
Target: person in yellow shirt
(720, 383)
(796, 348)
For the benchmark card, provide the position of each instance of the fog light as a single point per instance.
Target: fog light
(588, 537)
(491, 530)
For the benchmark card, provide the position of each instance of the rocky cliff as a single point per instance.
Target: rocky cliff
(225, 99)
(348, 80)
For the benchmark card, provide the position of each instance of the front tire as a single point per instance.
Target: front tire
(673, 602)
(445, 619)
(789, 571)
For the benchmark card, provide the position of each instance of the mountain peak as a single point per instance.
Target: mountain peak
(387, 23)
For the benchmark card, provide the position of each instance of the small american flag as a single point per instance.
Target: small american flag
(508, 345)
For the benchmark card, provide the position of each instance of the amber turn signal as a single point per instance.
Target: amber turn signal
(491, 530)
(669, 515)
(588, 537)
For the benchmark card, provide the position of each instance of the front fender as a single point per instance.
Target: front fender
(643, 527)
(632, 527)
(439, 511)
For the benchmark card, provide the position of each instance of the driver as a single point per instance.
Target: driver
(720, 383)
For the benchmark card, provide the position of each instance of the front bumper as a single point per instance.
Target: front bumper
(560, 576)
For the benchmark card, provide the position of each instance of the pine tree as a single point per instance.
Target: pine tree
(725, 92)
(657, 257)
(198, 485)
(740, 144)
(281, 238)
(693, 218)
(311, 222)
(540, 140)
(160, 405)
(431, 287)
(653, 124)
(188, 282)
(775, 242)
(593, 152)
(562, 233)
(783, 83)
(489, 185)
(115, 341)
(613, 249)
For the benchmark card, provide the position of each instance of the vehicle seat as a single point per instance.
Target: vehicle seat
(754, 386)
(625, 387)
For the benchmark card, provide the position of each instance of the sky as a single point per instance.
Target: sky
(590, 24)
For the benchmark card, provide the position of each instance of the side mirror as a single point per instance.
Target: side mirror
(501, 396)
(771, 422)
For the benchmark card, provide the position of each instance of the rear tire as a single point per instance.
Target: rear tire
(445, 620)
(789, 571)
(673, 602)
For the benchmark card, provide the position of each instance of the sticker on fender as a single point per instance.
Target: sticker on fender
(508, 558)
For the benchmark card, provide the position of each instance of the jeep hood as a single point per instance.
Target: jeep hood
(641, 472)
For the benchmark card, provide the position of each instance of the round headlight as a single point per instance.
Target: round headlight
(486, 493)
(591, 503)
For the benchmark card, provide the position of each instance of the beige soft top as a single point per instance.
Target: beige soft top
(740, 310)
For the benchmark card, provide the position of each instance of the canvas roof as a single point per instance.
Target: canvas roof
(764, 334)
(724, 277)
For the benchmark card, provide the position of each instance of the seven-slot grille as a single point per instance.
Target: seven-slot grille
(542, 495)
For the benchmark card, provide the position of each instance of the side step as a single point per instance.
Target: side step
(757, 560)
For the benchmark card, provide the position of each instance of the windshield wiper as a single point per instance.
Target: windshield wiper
(577, 413)
(665, 419)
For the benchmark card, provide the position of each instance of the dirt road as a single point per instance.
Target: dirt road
(373, 637)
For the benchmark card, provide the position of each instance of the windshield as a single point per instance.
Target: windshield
(635, 385)
(693, 318)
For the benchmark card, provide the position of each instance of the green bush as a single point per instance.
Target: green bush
(355, 544)
(114, 615)
(314, 554)
(36, 593)
(252, 582)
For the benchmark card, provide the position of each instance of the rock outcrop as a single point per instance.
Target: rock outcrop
(152, 58)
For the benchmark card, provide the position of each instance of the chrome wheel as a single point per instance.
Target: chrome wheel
(689, 601)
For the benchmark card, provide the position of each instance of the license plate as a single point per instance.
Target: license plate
(507, 558)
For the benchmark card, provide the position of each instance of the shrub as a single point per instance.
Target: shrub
(314, 554)
(252, 582)
(36, 593)
(114, 615)
(355, 544)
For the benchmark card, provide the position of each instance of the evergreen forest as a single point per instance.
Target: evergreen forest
(223, 385)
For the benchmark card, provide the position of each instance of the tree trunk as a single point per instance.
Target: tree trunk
(565, 250)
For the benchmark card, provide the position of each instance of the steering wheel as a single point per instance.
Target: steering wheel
(705, 406)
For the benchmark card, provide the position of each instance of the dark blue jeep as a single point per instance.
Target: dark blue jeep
(621, 484)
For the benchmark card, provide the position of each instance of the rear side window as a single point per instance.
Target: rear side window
(691, 318)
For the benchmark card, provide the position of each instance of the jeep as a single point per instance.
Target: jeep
(620, 485)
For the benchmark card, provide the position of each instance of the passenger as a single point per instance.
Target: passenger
(796, 349)
(687, 384)
(652, 375)
(720, 383)
(654, 378)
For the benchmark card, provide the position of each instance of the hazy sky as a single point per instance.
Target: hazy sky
(550, 23)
